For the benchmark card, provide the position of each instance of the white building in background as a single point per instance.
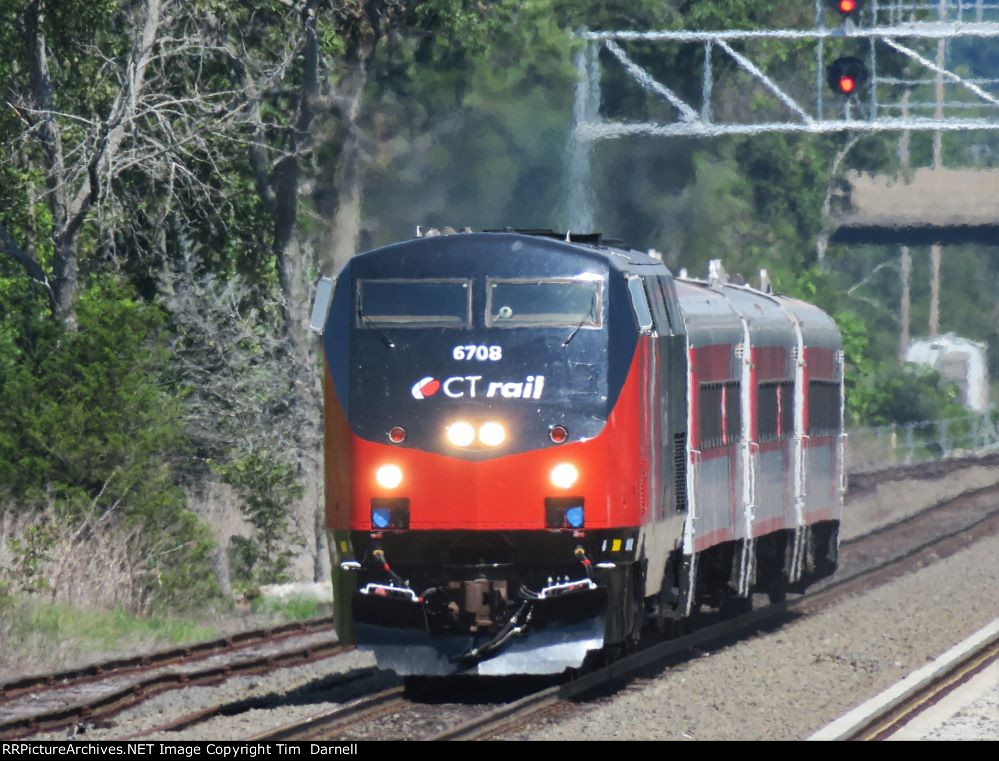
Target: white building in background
(959, 360)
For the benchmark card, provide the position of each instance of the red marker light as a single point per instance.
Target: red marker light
(847, 84)
(847, 7)
(397, 434)
(558, 434)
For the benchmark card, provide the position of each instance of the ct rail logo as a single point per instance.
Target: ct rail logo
(425, 387)
(468, 387)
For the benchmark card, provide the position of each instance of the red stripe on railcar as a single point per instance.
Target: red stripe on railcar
(770, 524)
(712, 538)
(712, 364)
(770, 363)
(821, 363)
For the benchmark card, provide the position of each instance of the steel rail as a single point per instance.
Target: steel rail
(505, 717)
(234, 707)
(132, 694)
(184, 654)
(885, 723)
(135, 693)
(514, 714)
(359, 710)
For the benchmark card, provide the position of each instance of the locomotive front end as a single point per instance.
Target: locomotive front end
(478, 445)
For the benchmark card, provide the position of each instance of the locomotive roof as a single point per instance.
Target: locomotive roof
(614, 252)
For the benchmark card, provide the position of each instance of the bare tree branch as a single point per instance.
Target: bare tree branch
(34, 270)
(122, 113)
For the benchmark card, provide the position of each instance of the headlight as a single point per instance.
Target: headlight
(460, 433)
(492, 434)
(564, 475)
(389, 476)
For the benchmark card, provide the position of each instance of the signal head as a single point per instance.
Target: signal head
(846, 75)
(848, 8)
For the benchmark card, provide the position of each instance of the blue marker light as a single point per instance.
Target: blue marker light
(574, 517)
(381, 517)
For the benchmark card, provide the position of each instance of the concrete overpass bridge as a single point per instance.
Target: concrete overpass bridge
(922, 207)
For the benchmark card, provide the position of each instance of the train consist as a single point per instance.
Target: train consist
(536, 445)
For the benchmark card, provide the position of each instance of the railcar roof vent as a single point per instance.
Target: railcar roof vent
(765, 285)
(433, 232)
(717, 276)
(593, 239)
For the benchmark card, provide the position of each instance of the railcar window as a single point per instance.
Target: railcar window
(672, 306)
(659, 317)
(640, 304)
(823, 408)
(543, 303)
(719, 414)
(775, 411)
(414, 303)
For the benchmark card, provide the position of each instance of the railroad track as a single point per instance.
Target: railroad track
(868, 561)
(886, 714)
(93, 693)
(126, 682)
(884, 724)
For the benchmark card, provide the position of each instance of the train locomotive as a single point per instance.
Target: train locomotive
(538, 444)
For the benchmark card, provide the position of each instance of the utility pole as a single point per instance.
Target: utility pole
(904, 259)
(934, 290)
(904, 270)
(937, 164)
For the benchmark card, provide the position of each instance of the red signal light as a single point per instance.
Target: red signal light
(847, 8)
(846, 76)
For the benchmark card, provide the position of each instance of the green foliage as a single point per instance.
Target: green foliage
(91, 432)
(88, 421)
(106, 629)
(907, 394)
(268, 488)
(29, 555)
(464, 121)
(294, 608)
(41, 636)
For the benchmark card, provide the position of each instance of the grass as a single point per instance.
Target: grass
(292, 609)
(38, 636)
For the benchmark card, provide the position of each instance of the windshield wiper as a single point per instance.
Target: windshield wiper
(366, 322)
(575, 330)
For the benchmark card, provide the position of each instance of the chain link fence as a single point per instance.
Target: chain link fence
(880, 447)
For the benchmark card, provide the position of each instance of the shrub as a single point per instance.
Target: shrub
(86, 452)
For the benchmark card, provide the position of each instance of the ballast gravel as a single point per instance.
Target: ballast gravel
(782, 684)
(284, 695)
(785, 684)
(888, 502)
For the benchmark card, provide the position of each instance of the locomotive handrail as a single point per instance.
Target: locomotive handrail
(390, 590)
(567, 586)
(843, 475)
(754, 466)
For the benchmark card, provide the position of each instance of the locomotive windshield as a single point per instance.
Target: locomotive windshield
(414, 303)
(543, 303)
